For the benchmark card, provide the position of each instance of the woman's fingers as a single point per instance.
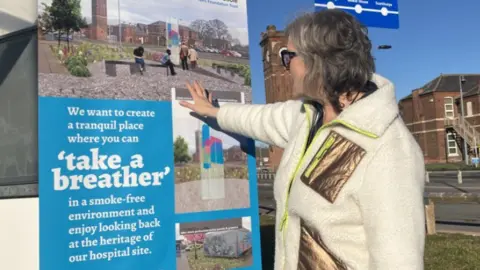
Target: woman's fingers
(187, 105)
(192, 91)
(199, 89)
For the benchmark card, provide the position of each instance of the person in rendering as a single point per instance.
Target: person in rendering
(349, 188)
(193, 55)
(184, 56)
(138, 54)
(166, 60)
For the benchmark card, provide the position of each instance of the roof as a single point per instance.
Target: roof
(471, 92)
(448, 83)
(407, 97)
(141, 28)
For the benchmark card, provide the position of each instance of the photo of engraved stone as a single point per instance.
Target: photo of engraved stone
(212, 245)
(211, 170)
(140, 49)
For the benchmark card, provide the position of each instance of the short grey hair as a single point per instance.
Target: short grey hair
(336, 51)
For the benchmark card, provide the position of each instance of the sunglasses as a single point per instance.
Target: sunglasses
(287, 56)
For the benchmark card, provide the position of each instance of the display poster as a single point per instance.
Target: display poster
(173, 39)
(129, 179)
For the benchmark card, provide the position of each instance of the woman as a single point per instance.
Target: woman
(349, 188)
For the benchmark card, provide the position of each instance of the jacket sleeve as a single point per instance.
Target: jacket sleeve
(270, 123)
(391, 202)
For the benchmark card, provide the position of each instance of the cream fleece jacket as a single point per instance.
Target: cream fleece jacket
(354, 199)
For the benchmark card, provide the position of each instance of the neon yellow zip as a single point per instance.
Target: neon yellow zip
(328, 143)
(318, 157)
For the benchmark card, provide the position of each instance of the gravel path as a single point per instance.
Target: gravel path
(182, 262)
(188, 197)
(153, 85)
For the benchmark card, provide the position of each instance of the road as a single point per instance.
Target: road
(450, 217)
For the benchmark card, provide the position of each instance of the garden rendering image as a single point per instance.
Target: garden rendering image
(86, 48)
(211, 171)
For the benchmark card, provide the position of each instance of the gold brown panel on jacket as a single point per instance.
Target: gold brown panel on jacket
(313, 254)
(332, 166)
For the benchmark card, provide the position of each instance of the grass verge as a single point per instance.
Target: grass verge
(452, 252)
(202, 262)
(442, 251)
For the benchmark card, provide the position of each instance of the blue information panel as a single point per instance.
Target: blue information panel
(381, 14)
(475, 161)
(129, 179)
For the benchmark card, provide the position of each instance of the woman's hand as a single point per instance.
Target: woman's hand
(201, 104)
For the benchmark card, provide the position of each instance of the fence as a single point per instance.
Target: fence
(432, 198)
(459, 174)
(265, 176)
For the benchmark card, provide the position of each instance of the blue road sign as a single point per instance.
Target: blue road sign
(381, 14)
(475, 161)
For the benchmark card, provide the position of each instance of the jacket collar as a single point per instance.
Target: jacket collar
(375, 112)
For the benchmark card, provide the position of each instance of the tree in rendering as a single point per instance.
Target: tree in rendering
(180, 150)
(66, 17)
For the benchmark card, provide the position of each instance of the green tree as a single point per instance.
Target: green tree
(66, 17)
(180, 150)
(45, 20)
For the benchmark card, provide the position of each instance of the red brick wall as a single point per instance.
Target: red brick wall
(99, 20)
(474, 118)
(278, 82)
(424, 116)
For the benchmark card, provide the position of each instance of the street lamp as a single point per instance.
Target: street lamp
(119, 26)
(384, 47)
(461, 81)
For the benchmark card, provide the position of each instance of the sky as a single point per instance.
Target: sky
(148, 11)
(435, 36)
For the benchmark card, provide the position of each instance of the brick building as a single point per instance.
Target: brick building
(278, 82)
(99, 26)
(234, 154)
(432, 113)
(152, 34)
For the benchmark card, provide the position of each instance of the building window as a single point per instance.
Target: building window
(469, 109)
(448, 101)
(452, 149)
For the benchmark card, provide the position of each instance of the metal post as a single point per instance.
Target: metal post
(461, 79)
(427, 177)
(475, 148)
(459, 176)
(119, 26)
(430, 217)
